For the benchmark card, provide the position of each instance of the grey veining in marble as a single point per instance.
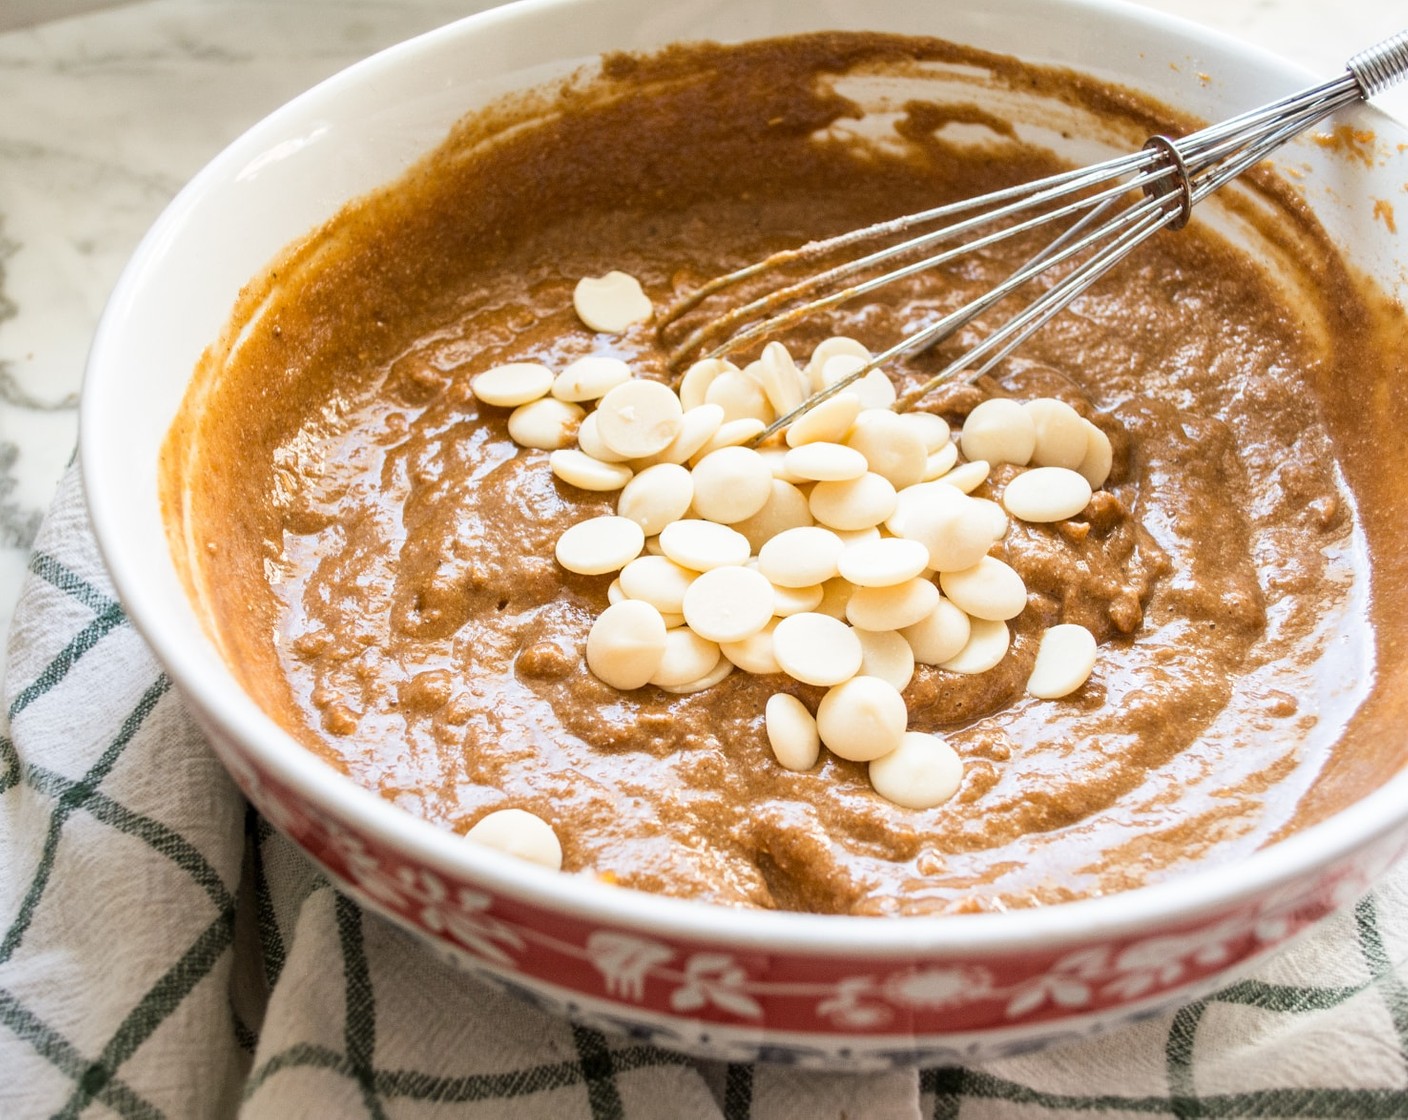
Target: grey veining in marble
(102, 118)
(106, 113)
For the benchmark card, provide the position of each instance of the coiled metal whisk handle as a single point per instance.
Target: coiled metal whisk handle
(1382, 65)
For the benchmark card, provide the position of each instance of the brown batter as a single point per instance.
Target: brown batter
(344, 493)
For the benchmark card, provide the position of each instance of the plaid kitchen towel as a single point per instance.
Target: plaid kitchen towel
(164, 953)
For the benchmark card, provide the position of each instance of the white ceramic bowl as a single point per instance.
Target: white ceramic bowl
(832, 991)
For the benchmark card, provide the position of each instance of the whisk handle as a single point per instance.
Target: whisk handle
(1382, 65)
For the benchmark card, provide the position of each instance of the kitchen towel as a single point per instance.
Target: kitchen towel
(165, 953)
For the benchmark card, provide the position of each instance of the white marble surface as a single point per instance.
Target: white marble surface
(104, 114)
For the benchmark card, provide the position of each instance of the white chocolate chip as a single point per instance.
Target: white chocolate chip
(590, 441)
(786, 508)
(1060, 433)
(709, 680)
(687, 658)
(922, 495)
(886, 654)
(801, 557)
(921, 773)
(893, 446)
(639, 418)
(997, 518)
(1064, 661)
(731, 484)
(851, 537)
(1099, 457)
(741, 397)
(697, 379)
(657, 496)
(940, 636)
(776, 459)
(697, 427)
(703, 545)
(520, 833)
(987, 645)
(835, 594)
(956, 534)
(892, 608)
(827, 422)
(990, 589)
(787, 601)
(1045, 494)
(512, 384)
(656, 580)
(782, 381)
(706, 682)
(856, 504)
(731, 433)
(579, 469)
(884, 562)
(874, 389)
(999, 431)
(861, 719)
(792, 732)
(825, 351)
(545, 424)
(816, 649)
(611, 303)
(933, 430)
(968, 477)
(836, 368)
(754, 654)
(729, 603)
(824, 462)
(590, 378)
(626, 644)
(599, 545)
(940, 462)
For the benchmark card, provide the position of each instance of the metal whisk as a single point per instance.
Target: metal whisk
(1103, 221)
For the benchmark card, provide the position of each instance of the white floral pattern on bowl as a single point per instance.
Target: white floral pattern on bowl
(658, 989)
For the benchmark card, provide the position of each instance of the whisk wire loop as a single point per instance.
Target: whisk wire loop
(830, 276)
(1184, 178)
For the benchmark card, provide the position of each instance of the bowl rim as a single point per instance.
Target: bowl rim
(1150, 910)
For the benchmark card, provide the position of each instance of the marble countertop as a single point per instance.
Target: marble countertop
(105, 113)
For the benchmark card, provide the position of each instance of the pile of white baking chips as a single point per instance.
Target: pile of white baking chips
(840, 553)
